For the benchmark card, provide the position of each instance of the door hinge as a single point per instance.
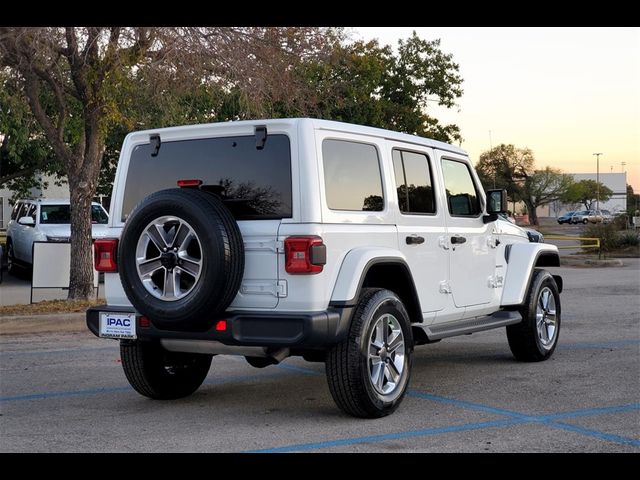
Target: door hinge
(281, 289)
(257, 287)
(276, 246)
(445, 287)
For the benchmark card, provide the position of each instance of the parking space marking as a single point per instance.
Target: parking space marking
(108, 390)
(68, 393)
(595, 433)
(8, 353)
(388, 436)
(513, 417)
(597, 345)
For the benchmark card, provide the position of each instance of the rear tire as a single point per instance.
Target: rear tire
(162, 375)
(535, 338)
(368, 372)
(181, 259)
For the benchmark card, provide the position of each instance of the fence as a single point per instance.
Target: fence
(595, 244)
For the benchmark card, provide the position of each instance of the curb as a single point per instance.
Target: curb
(45, 323)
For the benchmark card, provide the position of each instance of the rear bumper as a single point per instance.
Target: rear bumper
(273, 329)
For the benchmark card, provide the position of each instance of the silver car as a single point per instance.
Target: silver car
(44, 220)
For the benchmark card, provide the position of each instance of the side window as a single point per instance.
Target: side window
(352, 177)
(32, 211)
(462, 196)
(414, 182)
(16, 209)
(98, 215)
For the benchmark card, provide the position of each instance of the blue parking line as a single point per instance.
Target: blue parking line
(388, 436)
(68, 393)
(295, 368)
(18, 353)
(590, 412)
(598, 345)
(595, 433)
(470, 405)
(108, 390)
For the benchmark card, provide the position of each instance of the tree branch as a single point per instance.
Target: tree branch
(32, 90)
(76, 64)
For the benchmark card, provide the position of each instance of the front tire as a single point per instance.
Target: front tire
(368, 372)
(162, 375)
(535, 338)
(11, 259)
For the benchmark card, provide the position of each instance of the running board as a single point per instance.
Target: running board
(471, 325)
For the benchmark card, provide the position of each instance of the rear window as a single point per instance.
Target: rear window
(254, 184)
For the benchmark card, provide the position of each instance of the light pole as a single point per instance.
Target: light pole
(598, 180)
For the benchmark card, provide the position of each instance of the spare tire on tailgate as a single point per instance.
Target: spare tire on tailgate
(181, 258)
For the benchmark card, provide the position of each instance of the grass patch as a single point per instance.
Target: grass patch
(50, 306)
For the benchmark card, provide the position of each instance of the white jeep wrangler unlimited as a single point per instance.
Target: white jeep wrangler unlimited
(339, 243)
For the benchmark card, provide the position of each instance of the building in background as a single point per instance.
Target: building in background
(51, 191)
(617, 183)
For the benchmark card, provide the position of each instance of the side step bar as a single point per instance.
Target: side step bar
(471, 325)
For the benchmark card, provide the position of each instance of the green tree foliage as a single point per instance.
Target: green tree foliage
(512, 169)
(542, 187)
(505, 166)
(72, 93)
(78, 84)
(24, 149)
(369, 84)
(586, 192)
(633, 201)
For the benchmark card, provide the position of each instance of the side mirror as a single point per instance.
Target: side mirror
(28, 221)
(497, 202)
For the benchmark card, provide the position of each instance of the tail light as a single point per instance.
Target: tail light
(104, 250)
(304, 254)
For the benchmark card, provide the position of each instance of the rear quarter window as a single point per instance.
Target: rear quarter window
(352, 177)
(254, 184)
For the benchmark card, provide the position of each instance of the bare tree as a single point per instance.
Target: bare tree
(75, 81)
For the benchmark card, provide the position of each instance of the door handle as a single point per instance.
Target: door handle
(457, 239)
(414, 240)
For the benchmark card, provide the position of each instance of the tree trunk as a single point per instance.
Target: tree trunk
(81, 273)
(533, 215)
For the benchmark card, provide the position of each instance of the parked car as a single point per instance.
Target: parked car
(338, 243)
(598, 216)
(581, 216)
(44, 220)
(566, 218)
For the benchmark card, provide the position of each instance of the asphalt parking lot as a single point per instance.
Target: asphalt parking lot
(67, 393)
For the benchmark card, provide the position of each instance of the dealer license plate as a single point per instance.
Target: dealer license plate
(117, 325)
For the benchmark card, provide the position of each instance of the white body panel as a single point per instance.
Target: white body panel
(522, 259)
(452, 282)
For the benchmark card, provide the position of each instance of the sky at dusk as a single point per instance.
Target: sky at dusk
(565, 93)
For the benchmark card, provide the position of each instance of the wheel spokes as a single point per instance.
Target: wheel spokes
(169, 258)
(386, 354)
(189, 265)
(149, 267)
(153, 232)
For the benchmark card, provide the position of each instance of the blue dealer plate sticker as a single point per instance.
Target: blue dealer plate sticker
(117, 325)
